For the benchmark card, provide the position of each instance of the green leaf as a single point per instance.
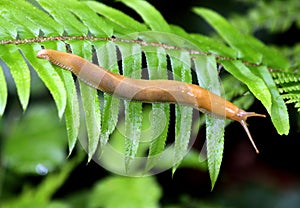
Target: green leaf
(96, 24)
(92, 109)
(36, 18)
(7, 30)
(120, 20)
(157, 69)
(19, 71)
(30, 30)
(130, 192)
(3, 92)
(271, 57)
(132, 65)
(213, 46)
(72, 114)
(107, 58)
(150, 15)
(203, 44)
(215, 146)
(255, 84)
(231, 35)
(64, 17)
(90, 102)
(48, 75)
(92, 117)
(181, 64)
(207, 74)
(278, 111)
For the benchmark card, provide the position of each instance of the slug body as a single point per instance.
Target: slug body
(169, 91)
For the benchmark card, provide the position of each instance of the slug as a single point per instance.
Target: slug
(150, 91)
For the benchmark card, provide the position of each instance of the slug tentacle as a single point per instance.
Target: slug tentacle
(169, 91)
(244, 115)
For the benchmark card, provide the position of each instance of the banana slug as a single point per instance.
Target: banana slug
(150, 91)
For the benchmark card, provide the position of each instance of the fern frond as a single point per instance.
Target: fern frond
(268, 15)
(285, 77)
(289, 86)
(103, 34)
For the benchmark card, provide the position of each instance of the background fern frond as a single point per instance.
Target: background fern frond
(289, 86)
(268, 15)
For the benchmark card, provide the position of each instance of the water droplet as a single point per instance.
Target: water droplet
(41, 169)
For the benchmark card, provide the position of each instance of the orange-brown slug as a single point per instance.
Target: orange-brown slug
(150, 91)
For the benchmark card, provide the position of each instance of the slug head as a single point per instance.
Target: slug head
(43, 54)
